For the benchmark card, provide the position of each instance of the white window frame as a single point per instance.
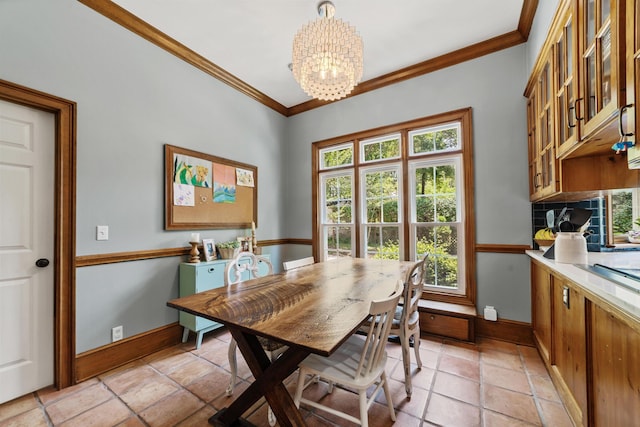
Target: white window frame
(329, 149)
(389, 167)
(379, 139)
(324, 226)
(459, 224)
(429, 129)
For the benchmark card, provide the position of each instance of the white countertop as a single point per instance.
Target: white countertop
(619, 296)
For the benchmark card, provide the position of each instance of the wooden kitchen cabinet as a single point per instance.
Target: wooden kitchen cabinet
(590, 348)
(569, 358)
(543, 165)
(615, 350)
(576, 95)
(602, 72)
(631, 120)
(541, 309)
(566, 80)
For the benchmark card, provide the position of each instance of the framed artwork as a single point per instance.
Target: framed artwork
(246, 244)
(209, 247)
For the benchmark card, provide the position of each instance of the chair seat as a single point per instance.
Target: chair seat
(342, 365)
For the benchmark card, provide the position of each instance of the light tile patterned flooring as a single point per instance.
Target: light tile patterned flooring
(488, 384)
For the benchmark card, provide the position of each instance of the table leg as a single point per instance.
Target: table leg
(268, 382)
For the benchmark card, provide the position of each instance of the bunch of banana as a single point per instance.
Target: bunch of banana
(545, 234)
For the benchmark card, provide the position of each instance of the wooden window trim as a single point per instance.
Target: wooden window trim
(464, 116)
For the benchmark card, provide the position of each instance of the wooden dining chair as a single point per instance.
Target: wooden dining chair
(296, 263)
(406, 321)
(357, 364)
(245, 266)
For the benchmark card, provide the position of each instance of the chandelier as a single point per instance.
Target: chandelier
(327, 56)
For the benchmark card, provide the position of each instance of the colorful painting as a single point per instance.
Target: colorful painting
(183, 194)
(191, 171)
(224, 183)
(244, 177)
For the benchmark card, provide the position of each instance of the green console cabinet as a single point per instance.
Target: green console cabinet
(202, 276)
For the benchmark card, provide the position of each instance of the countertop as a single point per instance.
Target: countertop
(620, 297)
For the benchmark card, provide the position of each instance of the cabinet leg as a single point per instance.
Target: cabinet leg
(199, 340)
(185, 334)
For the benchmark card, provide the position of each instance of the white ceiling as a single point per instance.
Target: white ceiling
(252, 39)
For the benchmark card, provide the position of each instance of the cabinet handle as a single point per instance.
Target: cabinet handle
(620, 127)
(575, 109)
(212, 269)
(432, 317)
(535, 180)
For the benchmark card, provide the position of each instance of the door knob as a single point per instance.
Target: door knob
(42, 262)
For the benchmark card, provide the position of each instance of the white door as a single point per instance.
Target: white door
(27, 149)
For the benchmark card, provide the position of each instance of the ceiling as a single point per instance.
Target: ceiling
(249, 42)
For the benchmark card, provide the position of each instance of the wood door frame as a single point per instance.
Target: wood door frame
(64, 223)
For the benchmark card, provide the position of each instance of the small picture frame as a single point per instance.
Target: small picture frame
(209, 248)
(246, 244)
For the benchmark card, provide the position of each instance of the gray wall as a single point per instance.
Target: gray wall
(539, 29)
(493, 87)
(134, 97)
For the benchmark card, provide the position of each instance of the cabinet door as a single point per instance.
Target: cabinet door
(602, 64)
(546, 130)
(616, 371)
(209, 275)
(543, 165)
(541, 309)
(632, 118)
(569, 338)
(532, 141)
(566, 88)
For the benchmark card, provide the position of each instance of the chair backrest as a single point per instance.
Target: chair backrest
(374, 349)
(288, 265)
(243, 262)
(412, 292)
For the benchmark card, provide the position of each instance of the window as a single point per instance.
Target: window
(381, 202)
(625, 213)
(436, 220)
(337, 219)
(398, 192)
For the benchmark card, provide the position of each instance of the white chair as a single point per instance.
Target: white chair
(406, 321)
(249, 264)
(296, 263)
(357, 364)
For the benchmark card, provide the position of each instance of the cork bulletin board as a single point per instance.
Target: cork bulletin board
(205, 191)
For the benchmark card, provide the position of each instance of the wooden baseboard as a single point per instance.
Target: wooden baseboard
(505, 330)
(103, 359)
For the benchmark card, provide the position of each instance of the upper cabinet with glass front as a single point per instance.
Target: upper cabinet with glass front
(543, 164)
(601, 74)
(591, 50)
(566, 80)
(631, 122)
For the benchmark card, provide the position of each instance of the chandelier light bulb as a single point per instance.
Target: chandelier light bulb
(327, 56)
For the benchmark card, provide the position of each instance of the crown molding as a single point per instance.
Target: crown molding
(136, 25)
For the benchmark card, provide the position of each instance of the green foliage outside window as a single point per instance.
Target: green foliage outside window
(621, 212)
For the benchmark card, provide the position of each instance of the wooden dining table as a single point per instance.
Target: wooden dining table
(311, 309)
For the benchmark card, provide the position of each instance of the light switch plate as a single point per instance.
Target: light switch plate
(102, 232)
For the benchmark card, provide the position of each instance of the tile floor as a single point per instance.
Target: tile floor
(488, 384)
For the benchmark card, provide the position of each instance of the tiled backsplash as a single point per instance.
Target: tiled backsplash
(595, 241)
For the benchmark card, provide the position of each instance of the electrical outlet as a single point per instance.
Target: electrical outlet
(490, 313)
(116, 333)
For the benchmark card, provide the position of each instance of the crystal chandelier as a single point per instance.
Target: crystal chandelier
(327, 56)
